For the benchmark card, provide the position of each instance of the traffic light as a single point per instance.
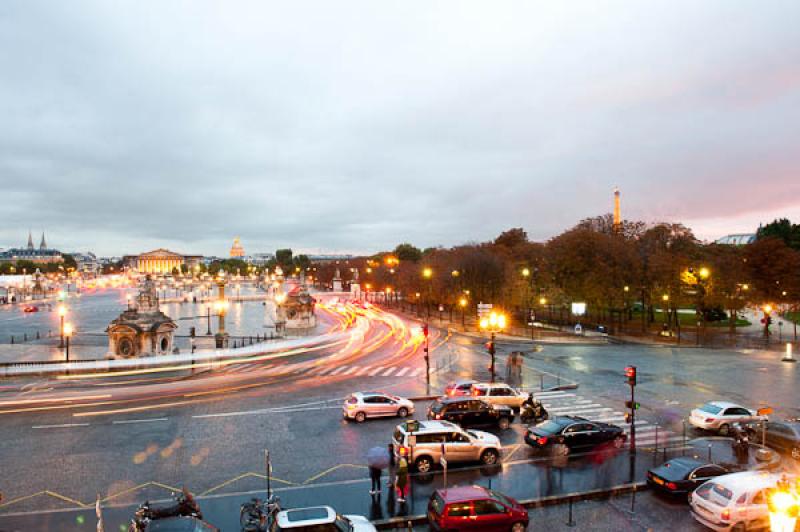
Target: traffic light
(630, 405)
(628, 418)
(630, 372)
(490, 347)
(425, 330)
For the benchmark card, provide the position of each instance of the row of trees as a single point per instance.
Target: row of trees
(27, 266)
(618, 272)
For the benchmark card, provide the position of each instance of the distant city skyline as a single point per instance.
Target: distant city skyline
(354, 126)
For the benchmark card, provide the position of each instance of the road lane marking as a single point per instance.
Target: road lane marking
(126, 421)
(54, 399)
(338, 370)
(61, 426)
(416, 372)
(388, 371)
(364, 370)
(402, 372)
(377, 370)
(351, 370)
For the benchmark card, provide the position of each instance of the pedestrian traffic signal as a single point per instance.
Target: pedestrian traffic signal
(490, 347)
(630, 405)
(628, 418)
(425, 330)
(630, 372)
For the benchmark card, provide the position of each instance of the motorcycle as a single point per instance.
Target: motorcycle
(259, 516)
(184, 506)
(740, 443)
(533, 411)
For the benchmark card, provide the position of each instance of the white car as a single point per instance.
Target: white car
(718, 416)
(361, 405)
(498, 393)
(321, 519)
(734, 502)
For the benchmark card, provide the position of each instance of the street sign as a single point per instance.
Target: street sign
(412, 425)
(412, 440)
(765, 411)
(484, 309)
(443, 461)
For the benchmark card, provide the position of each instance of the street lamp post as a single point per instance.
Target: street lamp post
(427, 273)
(494, 323)
(463, 304)
(62, 311)
(67, 335)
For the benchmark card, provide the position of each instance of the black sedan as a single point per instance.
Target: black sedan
(680, 476)
(573, 433)
(783, 436)
(471, 412)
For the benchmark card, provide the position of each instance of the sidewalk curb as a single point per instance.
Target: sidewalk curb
(553, 500)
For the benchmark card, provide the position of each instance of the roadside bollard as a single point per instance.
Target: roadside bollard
(709, 453)
(12, 339)
(570, 522)
(24, 337)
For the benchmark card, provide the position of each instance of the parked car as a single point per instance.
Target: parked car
(718, 416)
(362, 405)
(499, 393)
(680, 476)
(421, 443)
(783, 436)
(30, 309)
(734, 502)
(471, 412)
(573, 432)
(321, 519)
(459, 387)
(475, 508)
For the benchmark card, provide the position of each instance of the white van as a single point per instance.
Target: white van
(734, 502)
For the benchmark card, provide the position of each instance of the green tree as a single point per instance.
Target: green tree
(284, 258)
(782, 229)
(405, 252)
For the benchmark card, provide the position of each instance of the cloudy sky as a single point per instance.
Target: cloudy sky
(351, 126)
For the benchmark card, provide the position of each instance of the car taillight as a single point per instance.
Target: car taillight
(403, 450)
(350, 407)
(725, 515)
(672, 485)
(438, 416)
(542, 440)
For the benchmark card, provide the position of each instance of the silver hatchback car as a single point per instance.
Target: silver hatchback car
(361, 405)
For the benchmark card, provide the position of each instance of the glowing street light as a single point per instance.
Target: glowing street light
(526, 272)
(704, 272)
(542, 300)
(427, 273)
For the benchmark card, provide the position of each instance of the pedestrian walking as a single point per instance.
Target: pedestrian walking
(375, 477)
(377, 459)
(401, 480)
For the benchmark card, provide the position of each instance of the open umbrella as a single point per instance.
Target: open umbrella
(378, 457)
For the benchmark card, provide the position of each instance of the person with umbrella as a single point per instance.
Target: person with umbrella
(377, 460)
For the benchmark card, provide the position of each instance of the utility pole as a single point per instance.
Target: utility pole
(427, 355)
(632, 405)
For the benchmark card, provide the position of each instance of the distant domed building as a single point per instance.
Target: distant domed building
(237, 250)
(142, 329)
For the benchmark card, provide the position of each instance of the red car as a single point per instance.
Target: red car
(28, 310)
(475, 508)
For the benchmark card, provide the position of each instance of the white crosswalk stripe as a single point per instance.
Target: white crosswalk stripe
(352, 370)
(388, 371)
(375, 371)
(402, 372)
(416, 372)
(338, 370)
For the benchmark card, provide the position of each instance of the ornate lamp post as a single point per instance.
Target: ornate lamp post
(221, 305)
(494, 323)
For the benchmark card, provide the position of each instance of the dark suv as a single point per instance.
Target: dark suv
(471, 412)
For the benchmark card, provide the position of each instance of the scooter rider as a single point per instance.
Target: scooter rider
(533, 408)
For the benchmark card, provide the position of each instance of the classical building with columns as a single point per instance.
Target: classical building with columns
(161, 261)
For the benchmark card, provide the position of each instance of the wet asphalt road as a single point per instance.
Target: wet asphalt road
(217, 447)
